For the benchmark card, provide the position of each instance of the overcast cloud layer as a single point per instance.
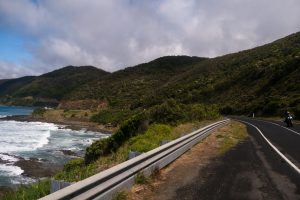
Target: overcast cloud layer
(114, 34)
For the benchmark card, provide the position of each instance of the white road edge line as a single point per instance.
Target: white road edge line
(275, 149)
(278, 125)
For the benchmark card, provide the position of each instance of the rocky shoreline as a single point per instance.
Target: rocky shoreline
(36, 168)
(33, 167)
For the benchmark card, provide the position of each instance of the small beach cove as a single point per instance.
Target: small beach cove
(31, 149)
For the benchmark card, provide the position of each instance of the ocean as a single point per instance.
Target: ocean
(44, 142)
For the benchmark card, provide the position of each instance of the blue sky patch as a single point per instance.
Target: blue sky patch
(12, 47)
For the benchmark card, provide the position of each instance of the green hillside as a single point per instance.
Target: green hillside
(124, 88)
(49, 87)
(264, 80)
(9, 86)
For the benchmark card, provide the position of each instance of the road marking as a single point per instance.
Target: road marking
(278, 125)
(275, 149)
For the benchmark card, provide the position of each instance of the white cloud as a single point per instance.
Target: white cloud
(118, 33)
(13, 70)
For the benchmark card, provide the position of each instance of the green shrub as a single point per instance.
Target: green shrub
(169, 112)
(140, 178)
(151, 138)
(29, 192)
(113, 116)
(227, 110)
(296, 112)
(212, 111)
(198, 112)
(39, 112)
(72, 164)
(128, 129)
(271, 108)
(76, 173)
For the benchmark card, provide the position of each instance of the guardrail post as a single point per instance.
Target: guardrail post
(133, 154)
(58, 184)
(164, 142)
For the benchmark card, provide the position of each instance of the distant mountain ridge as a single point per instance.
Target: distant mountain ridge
(52, 86)
(264, 80)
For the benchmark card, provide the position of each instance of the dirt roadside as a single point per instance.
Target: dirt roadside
(223, 166)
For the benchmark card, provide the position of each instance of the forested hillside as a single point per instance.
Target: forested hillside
(50, 87)
(264, 80)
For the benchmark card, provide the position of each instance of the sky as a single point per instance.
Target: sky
(38, 36)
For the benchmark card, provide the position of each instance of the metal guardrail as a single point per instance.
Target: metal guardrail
(105, 184)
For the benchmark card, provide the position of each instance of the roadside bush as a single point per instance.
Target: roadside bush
(29, 192)
(76, 170)
(271, 108)
(72, 164)
(169, 112)
(39, 112)
(296, 111)
(227, 110)
(212, 111)
(128, 129)
(198, 112)
(112, 116)
(151, 138)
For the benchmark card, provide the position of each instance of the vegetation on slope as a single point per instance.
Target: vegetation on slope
(169, 113)
(50, 87)
(122, 89)
(10, 85)
(29, 192)
(263, 80)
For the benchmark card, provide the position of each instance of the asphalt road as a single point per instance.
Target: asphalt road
(286, 140)
(253, 169)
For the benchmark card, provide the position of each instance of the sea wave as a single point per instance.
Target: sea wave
(10, 170)
(37, 140)
(21, 180)
(3, 116)
(24, 136)
(8, 158)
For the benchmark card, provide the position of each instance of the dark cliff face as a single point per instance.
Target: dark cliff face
(264, 79)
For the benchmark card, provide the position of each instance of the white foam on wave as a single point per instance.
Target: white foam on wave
(22, 180)
(2, 116)
(24, 136)
(10, 170)
(8, 158)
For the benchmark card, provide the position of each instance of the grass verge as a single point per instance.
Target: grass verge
(29, 192)
(235, 132)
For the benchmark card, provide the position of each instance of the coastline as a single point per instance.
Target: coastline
(38, 169)
(71, 124)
